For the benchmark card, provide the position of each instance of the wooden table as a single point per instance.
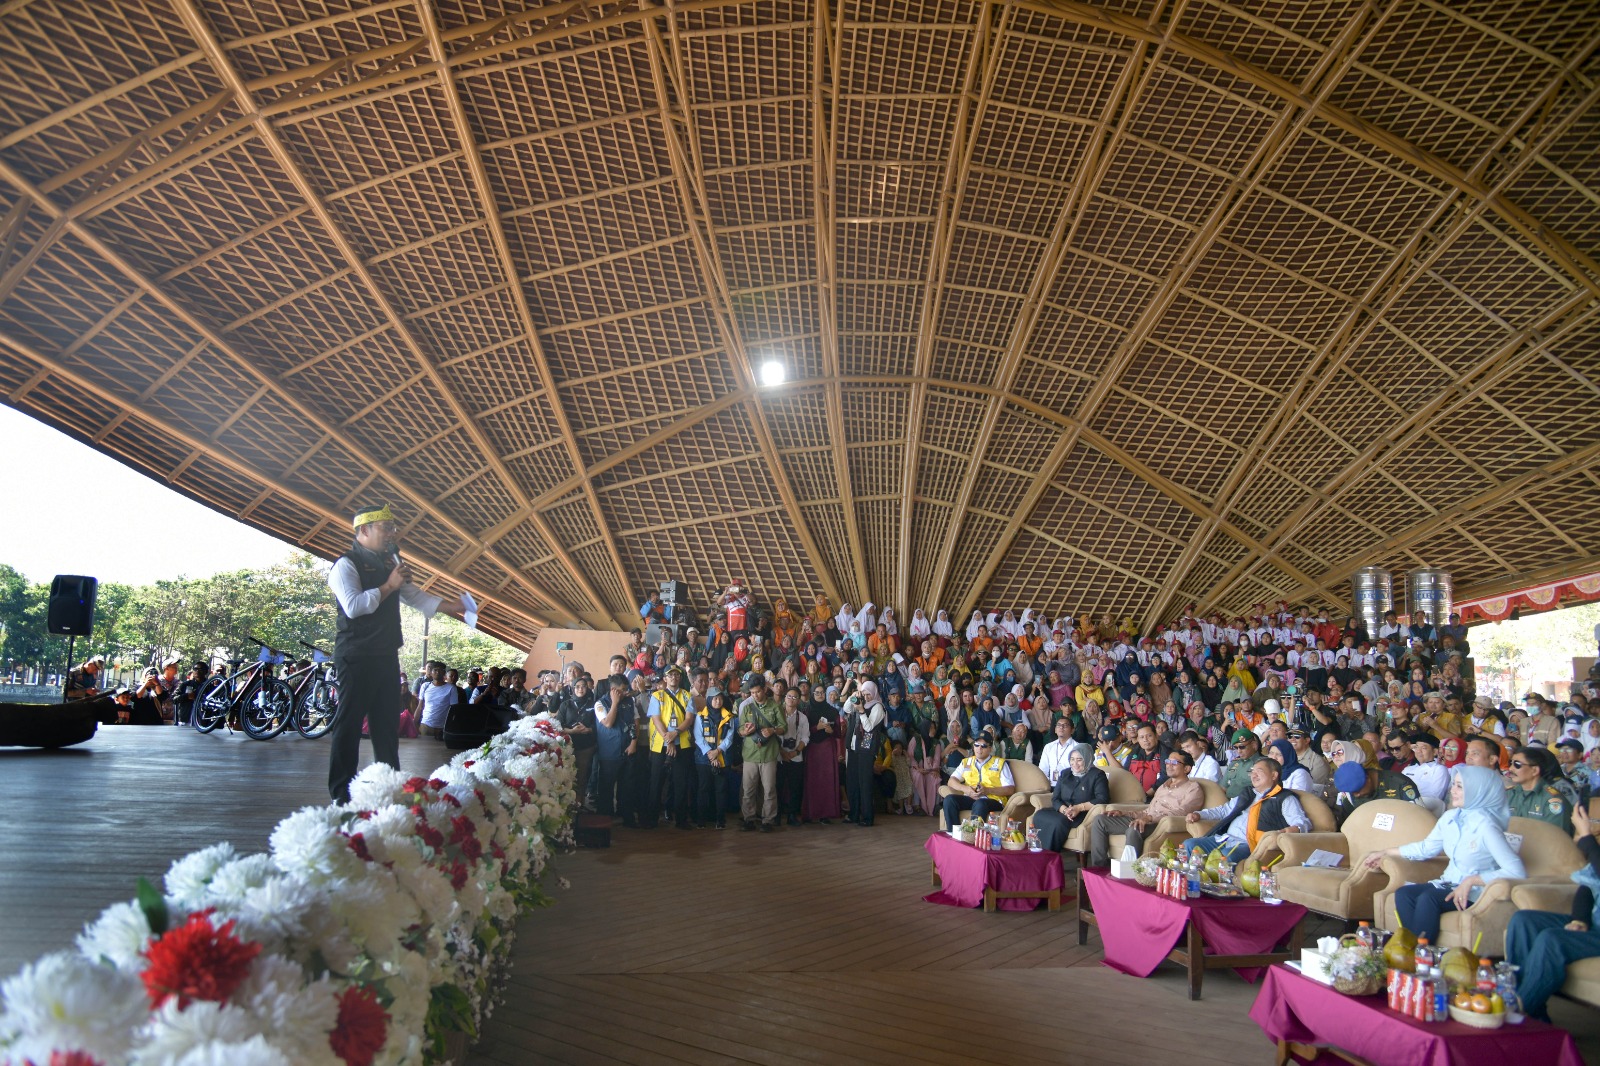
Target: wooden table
(1190, 951)
(1003, 875)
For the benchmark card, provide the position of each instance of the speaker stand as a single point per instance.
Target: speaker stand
(66, 675)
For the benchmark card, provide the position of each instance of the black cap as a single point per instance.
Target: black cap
(1568, 742)
(1109, 732)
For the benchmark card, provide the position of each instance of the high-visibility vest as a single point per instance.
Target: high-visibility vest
(986, 774)
(674, 708)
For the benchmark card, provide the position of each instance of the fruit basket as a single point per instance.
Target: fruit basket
(1476, 1019)
(1145, 869)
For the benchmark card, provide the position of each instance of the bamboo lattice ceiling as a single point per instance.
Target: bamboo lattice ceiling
(1106, 306)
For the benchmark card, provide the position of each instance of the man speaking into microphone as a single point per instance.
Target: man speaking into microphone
(366, 653)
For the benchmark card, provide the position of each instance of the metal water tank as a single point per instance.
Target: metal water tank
(1372, 595)
(1431, 591)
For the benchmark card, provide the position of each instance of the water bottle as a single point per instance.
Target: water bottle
(1192, 876)
(1225, 873)
(1364, 934)
(1506, 984)
(1033, 838)
(1441, 996)
(1269, 887)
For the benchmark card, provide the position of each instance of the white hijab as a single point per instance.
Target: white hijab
(919, 624)
(941, 625)
(845, 617)
(890, 626)
(973, 624)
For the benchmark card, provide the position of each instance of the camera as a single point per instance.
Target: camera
(563, 645)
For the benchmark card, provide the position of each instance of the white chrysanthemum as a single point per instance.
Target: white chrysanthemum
(392, 820)
(253, 1052)
(173, 1031)
(274, 909)
(67, 1001)
(308, 844)
(433, 893)
(297, 1014)
(188, 877)
(377, 786)
(233, 879)
(119, 935)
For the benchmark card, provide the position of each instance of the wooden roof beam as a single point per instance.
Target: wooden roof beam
(1582, 267)
(130, 411)
(980, 69)
(824, 59)
(1581, 460)
(195, 22)
(1087, 178)
(692, 197)
(1370, 309)
(488, 206)
(247, 367)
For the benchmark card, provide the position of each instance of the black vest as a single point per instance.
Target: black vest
(377, 633)
(1271, 812)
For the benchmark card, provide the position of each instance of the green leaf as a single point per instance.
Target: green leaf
(154, 905)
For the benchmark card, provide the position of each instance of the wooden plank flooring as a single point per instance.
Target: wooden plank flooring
(84, 823)
(808, 945)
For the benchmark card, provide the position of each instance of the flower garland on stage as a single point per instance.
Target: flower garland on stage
(371, 931)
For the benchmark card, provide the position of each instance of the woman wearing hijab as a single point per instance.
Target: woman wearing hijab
(942, 627)
(974, 624)
(1472, 835)
(1080, 786)
(1234, 692)
(919, 629)
(845, 618)
(926, 756)
(1293, 776)
(819, 797)
(1451, 752)
(865, 721)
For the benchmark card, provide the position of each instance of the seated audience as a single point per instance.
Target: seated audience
(1242, 820)
(1176, 795)
(1082, 786)
(1472, 836)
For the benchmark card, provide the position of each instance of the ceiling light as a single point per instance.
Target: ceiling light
(772, 373)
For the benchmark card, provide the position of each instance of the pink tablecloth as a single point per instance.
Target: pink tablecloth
(1292, 1007)
(964, 871)
(1139, 926)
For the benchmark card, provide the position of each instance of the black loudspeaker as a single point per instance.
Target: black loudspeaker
(674, 592)
(71, 609)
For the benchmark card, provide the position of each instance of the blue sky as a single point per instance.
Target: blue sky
(133, 529)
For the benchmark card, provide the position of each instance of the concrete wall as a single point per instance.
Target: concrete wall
(590, 647)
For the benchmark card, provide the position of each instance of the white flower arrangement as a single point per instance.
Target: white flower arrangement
(369, 932)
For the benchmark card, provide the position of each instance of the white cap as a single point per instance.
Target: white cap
(1272, 707)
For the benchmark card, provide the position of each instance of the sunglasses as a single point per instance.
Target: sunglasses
(1397, 747)
(1518, 764)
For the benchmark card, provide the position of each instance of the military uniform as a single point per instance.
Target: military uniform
(1236, 776)
(1543, 802)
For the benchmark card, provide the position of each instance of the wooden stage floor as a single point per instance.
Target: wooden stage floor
(802, 946)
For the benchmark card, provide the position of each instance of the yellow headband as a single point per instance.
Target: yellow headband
(382, 514)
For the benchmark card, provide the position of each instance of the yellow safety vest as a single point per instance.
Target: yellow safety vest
(674, 712)
(985, 775)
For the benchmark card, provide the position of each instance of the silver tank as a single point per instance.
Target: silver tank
(1430, 591)
(1372, 596)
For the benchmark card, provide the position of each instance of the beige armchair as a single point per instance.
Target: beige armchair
(1266, 849)
(1172, 827)
(1030, 782)
(1126, 794)
(1583, 977)
(1346, 891)
(1548, 855)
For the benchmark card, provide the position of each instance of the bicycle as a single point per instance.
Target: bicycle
(316, 701)
(251, 696)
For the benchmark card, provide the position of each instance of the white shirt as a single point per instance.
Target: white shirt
(346, 586)
(1432, 779)
(1053, 760)
(798, 729)
(436, 702)
(1206, 769)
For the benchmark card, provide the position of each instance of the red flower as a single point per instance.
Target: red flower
(358, 844)
(458, 875)
(465, 837)
(415, 784)
(67, 1058)
(430, 836)
(197, 961)
(363, 1027)
(436, 783)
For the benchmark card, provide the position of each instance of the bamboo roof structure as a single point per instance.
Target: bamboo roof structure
(1111, 306)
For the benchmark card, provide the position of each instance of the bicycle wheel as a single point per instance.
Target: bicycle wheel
(317, 709)
(211, 704)
(266, 712)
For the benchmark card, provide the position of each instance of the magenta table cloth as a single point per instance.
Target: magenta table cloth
(964, 871)
(1139, 926)
(1293, 1007)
